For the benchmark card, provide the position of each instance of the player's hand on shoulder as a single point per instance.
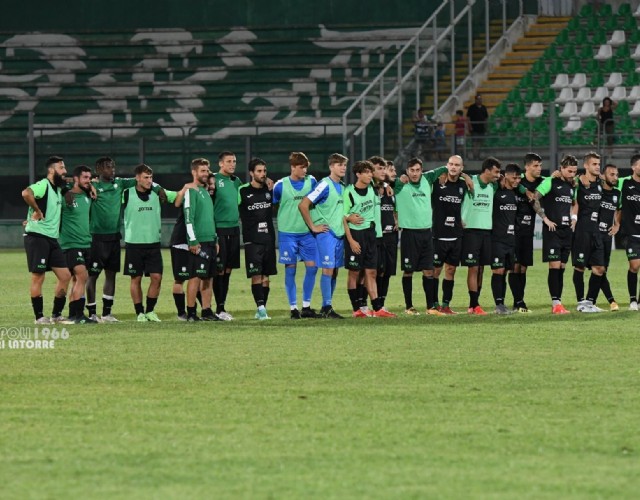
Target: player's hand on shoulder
(403, 178)
(270, 183)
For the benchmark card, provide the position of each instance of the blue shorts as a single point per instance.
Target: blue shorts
(295, 247)
(330, 250)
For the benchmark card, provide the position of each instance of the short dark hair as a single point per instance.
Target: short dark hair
(337, 158)
(378, 160)
(390, 163)
(143, 169)
(104, 161)
(254, 162)
(490, 162)
(634, 159)
(569, 161)
(529, 158)
(589, 155)
(608, 166)
(362, 166)
(54, 159)
(512, 168)
(298, 158)
(80, 169)
(414, 161)
(225, 153)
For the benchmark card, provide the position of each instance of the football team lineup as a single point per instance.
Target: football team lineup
(437, 221)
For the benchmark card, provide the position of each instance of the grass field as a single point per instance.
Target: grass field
(525, 406)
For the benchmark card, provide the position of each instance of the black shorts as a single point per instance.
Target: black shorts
(607, 245)
(368, 256)
(139, 261)
(229, 255)
(447, 252)
(556, 245)
(524, 250)
(476, 247)
(503, 255)
(380, 256)
(259, 259)
(587, 249)
(633, 248)
(186, 265)
(43, 253)
(416, 250)
(104, 255)
(76, 257)
(390, 244)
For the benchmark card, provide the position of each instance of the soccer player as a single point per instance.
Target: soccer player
(225, 206)
(609, 224)
(389, 219)
(256, 212)
(106, 216)
(44, 199)
(556, 193)
(295, 241)
(525, 227)
(413, 201)
(75, 239)
(200, 228)
(142, 227)
(588, 249)
(326, 224)
(477, 220)
(446, 200)
(382, 190)
(361, 250)
(503, 235)
(630, 224)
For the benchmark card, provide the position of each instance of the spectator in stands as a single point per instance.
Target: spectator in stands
(461, 124)
(606, 123)
(478, 115)
(422, 135)
(440, 141)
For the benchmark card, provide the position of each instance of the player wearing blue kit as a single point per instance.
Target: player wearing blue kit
(326, 224)
(295, 241)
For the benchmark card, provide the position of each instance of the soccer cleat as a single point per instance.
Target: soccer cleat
(95, 318)
(327, 312)
(559, 309)
(582, 305)
(262, 314)
(477, 310)
(613, 306)
(502, 310)
(44, 320)
(383, 313)
(142, 318)
(152, 316)
(360, 314)
(522, 310)
(192, 319)
(412, 311)
(448, 311)
(83, 320)
(182, 317)
(633, 306)
(110, 318)
(225, 316)
(434, 311)
(588, 307)
(61, 320)
(209, 316)
(307, 312)
(295, 314)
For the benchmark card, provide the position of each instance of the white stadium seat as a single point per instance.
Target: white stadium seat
(584, 94)
(615, 80)
(617, 38)
(579, 80)
(562, 80)
(573, 125)
(570, 109)
(619, 94)
(535, 110)
(636, 109)
(636, 53)
(604, 52)
(634, 95)
(566, 95)
(588, 109)
(600, 94)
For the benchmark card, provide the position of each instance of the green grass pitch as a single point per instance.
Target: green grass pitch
(525, 406)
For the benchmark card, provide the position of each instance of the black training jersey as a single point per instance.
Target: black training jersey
(446, 200)
(256, 214)
(608, 206)
(387, 207)
(526, 215)
(505, 207)
(557, 200)
(589, 200)
(179, 233)
(630, 192)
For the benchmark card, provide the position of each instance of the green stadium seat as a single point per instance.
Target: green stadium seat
(569, 51)
(610, 23)
(633, 36)
(609, 66)
(573, 24)
(632, 79)
(556, 66)
(563, 37)
(548, 95)
(593, 23)
(518, 108)
(526, 81)
(580, 37)
(605, 10)
(586, 10)
(623, 107)
(550, 52)
(575, 66)
(629, 24)
(543, 81)
(624, 10)
(591, 66)
(585, 52)
(538, 66)
(597, 80)
(598, 37)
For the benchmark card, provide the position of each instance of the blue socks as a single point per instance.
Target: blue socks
(308, 283)
(326, 288)
(290, 285)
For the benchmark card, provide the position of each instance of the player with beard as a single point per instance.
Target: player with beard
(42, 229)
(75, 239)
(630, 224)
(525, 227)
(556, 194)
(609, 224)
(446, 200)
(256, 214)
(389, 220)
